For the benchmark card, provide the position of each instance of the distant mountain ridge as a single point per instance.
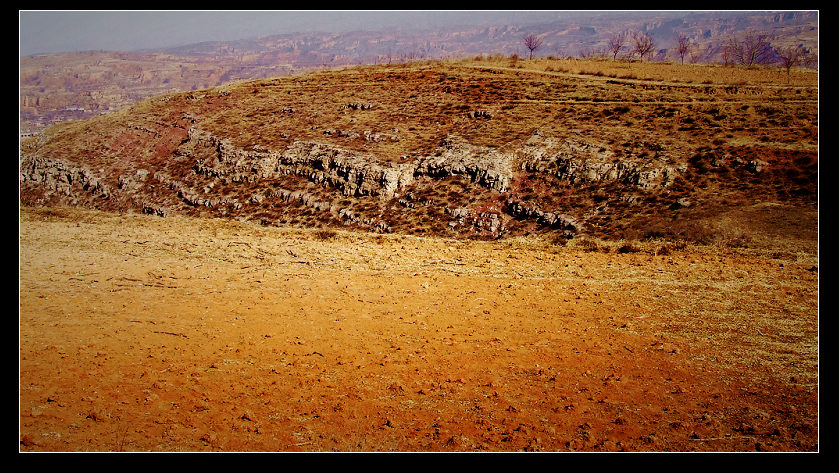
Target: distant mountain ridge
(60, 87)
(571, 36)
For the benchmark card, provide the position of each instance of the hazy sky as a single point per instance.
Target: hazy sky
(61, 31)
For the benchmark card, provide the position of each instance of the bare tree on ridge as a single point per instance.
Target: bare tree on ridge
(532, 42)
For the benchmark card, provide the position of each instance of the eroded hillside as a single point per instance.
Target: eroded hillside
(476, 149)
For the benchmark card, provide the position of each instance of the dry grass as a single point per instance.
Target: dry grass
(681, 318)
(712, 120)
(418, 103)
(670, 72)
(216, 335)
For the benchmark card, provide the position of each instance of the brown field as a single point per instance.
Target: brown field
(140, 333)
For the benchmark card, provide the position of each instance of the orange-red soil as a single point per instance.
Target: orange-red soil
(140, 333)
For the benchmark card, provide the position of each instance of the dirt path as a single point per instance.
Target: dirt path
(140, 333)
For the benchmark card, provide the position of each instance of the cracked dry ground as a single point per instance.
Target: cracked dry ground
(140, 333)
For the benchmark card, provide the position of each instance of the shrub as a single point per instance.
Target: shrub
(325, 234)
(589, 245)
(628, 248)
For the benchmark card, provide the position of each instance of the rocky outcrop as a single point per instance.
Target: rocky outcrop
(57, 176)
(522, 210)
(488, 222)
(352, 172)
(484, 166)
(257, 182)
(346, 215)
(579, 161)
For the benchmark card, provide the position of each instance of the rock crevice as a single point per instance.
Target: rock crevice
(578, 161)
(353, 173)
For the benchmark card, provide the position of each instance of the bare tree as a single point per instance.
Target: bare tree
(642, 44)
(753, 49)
(616, 43)
(810, 59)
(592, 52)
(727, 54)
(682, 46)
(790, 56)
(532, 42)
(586, 52)
(696, 55)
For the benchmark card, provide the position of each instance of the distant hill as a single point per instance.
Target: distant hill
(59, 87)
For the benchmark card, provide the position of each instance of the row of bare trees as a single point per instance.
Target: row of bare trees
(640, 44)
(751, 49)
(755, 48)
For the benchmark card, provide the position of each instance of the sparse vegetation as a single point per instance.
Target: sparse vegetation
(578, 234)
(325, 234)
(655, 112)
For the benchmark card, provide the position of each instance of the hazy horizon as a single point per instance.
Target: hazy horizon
(48, 32)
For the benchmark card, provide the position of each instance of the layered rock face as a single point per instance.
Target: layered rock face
(352, 173)
(60, 179)
(260, 181)
(484, 166)
(578, 161)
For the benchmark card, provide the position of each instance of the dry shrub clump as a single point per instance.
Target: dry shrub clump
(325, 234)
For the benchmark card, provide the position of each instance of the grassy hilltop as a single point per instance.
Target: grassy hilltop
(486, 148)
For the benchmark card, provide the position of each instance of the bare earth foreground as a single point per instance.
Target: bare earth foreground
(140, 333)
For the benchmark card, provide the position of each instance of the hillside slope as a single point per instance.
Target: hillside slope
(475, 149)
(67, 86)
